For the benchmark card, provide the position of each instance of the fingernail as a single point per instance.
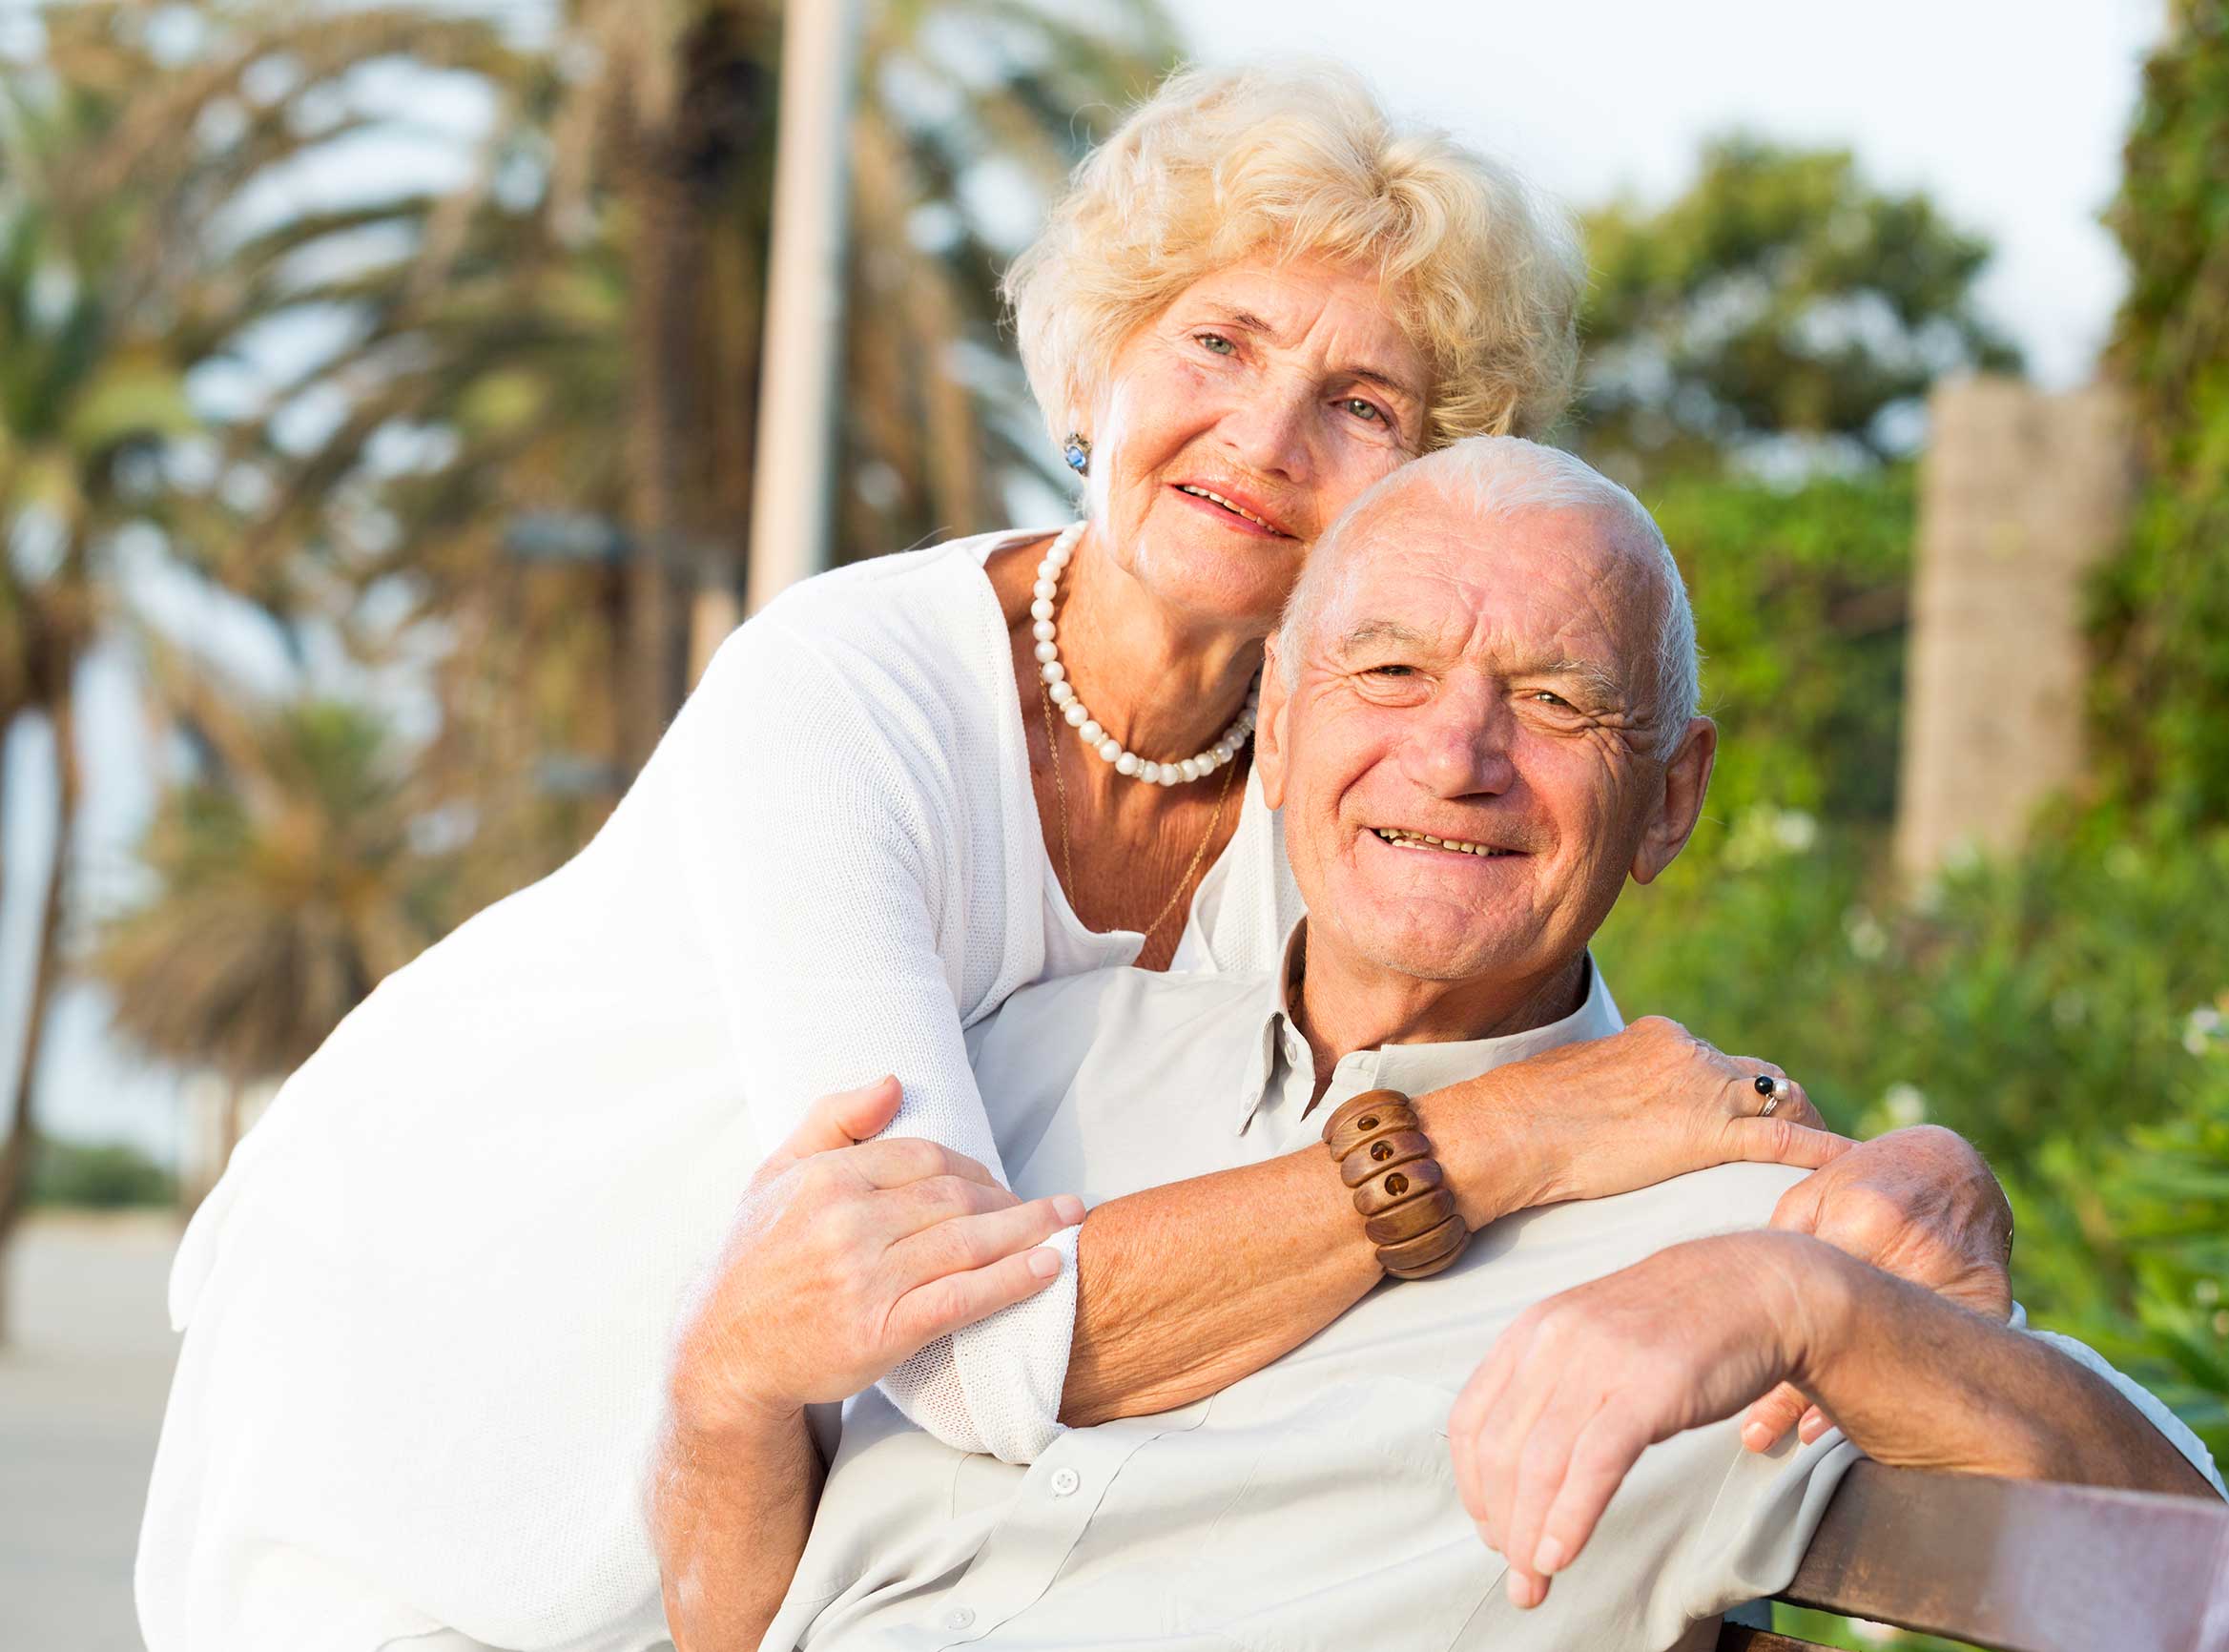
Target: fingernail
(1068, 1207)
(1813, 1427)
(1757, 1436)
(1045, 1264)
(1549, 1557)
(1521, 1591)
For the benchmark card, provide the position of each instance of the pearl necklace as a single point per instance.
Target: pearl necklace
(1064, 695)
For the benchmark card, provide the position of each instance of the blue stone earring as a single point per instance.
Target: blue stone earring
(1077, 451)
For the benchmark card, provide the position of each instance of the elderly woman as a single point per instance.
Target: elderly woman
(430, 1309)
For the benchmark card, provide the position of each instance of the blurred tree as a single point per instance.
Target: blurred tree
(117, 164)
(1782, 295)
(2164, 632)
(576, 329)
(560, 313)
(99, 1176)
(301, 864)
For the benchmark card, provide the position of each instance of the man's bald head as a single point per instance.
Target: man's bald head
(1494, 479)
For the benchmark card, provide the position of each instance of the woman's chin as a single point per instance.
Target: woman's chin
(1240, 587)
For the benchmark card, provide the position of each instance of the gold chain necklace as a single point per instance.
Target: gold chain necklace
(1067, 859)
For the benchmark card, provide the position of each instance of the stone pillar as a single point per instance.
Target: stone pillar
(2021, 495)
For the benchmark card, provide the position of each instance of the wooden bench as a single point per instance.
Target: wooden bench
(2014, 1565)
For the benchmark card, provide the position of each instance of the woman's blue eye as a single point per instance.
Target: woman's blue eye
(1362, 409)
(1218, 344)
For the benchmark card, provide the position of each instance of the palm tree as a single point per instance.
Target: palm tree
(296, 872)
(573, 328)
(578, 326)
(126, 147)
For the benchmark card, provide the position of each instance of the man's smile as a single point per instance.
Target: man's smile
(1401, 838)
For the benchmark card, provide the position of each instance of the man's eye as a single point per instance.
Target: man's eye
(1361, 409)
(1392, 671)
(1548, 699)
(1216, 343)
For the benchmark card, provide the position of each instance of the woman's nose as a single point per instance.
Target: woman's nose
(1269, 431)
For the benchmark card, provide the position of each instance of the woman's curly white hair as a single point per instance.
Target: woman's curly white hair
(1298, 160)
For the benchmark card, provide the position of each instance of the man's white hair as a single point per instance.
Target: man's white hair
(1497, 477)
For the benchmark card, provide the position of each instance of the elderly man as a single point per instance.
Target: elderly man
(1478, 722)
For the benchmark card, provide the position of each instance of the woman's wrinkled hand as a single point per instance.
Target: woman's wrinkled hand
(1918, 1203)
(847, 1256)
(1611, 1115)
(1571, 1394)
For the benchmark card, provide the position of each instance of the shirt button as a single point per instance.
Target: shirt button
(959, 1618)
(1065, 1482)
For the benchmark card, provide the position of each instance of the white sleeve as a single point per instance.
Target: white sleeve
(2178, 1432)
(824, 837)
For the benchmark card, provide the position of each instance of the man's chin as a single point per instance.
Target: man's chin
(1432, 952)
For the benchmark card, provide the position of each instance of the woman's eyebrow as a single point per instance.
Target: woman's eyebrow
(1383, 378)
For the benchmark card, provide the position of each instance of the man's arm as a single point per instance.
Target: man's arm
(1546, 1429)
(1919, 1382)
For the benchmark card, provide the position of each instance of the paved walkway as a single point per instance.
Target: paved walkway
(82, 1384)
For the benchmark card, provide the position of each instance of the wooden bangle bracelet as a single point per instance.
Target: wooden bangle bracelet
(1384, 1157)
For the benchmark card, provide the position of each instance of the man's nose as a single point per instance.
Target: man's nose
(1462, 745)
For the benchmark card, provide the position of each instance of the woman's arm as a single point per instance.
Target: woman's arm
(861, 1253)
(1182, 1290)
(730, 1514)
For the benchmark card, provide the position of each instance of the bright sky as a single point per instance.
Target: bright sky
(2010, 111)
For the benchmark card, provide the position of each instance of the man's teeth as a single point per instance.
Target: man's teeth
(1455, 845)
(1240, 509)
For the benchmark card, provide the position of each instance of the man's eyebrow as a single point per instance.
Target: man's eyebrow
(1592, 672)
(1381, 631)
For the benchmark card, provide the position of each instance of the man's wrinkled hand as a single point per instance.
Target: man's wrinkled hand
(1574, 1392)
(1917, 1202)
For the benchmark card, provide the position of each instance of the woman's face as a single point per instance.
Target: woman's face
(1283, 388)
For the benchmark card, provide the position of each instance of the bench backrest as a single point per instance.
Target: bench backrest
(2022, 1566)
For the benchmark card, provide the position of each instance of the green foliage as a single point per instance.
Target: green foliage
(2125, 1242)
(2164, 603)
(1782, 295)
(2063, 1009)
(1752, 934)
(1799, 601)
(97, 1176)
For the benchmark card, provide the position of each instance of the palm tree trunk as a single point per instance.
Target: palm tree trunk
(665, 284)
(15, 1153)
(682, 169)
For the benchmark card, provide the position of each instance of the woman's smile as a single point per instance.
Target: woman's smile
(1235, 511)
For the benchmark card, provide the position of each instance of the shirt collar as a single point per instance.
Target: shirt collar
(1413, 1068)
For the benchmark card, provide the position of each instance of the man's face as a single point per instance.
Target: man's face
(1488, 684)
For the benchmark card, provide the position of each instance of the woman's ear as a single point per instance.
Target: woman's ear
(1270, 747)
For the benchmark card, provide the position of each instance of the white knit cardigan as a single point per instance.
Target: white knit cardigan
(428, 1308)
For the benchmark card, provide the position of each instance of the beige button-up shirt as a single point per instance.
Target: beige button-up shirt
(1311, 1504)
